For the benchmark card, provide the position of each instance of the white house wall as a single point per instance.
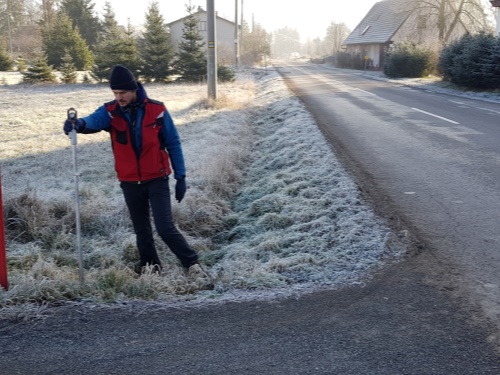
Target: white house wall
(370, 50)
(224, 36)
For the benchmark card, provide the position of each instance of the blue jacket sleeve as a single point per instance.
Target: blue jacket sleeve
(97, 121)
(173, 144)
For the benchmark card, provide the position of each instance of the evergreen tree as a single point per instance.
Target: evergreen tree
(225, 74)
(68, 70)
(491, 67)
(39, 72)
(408, 60)
(82, 15)
(156, 50)
(21, 65)
(115, 45)
(191, 60)
(472, 61)
(6, 62)
(129, 51)
(60, 37)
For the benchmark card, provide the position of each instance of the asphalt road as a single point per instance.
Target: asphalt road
(396, 324)
(428, 160)
(411, 318)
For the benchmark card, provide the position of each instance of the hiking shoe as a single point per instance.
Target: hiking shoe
(200, 276)
(141, 269)
(196, 271)
(138, 268)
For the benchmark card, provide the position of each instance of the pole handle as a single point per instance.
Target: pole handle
(72, 116)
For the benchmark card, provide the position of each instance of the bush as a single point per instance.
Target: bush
(317, 60)
(225, 74)
(29, 219)
(347, 60)
(472, 61)
(6, 63)
(408, 60)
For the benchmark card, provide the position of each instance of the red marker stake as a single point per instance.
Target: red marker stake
(3, 252)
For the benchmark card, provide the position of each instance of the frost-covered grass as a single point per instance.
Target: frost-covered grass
(269, 208)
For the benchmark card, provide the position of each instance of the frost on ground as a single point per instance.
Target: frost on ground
(299, 217)
(269, 208)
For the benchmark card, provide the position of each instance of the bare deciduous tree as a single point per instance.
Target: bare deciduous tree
(449, 18)
(335, 36)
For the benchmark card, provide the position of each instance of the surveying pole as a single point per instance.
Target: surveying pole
(73, 116)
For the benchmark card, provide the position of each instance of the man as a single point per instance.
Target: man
(145, 145)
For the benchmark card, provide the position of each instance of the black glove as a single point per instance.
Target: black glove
(79, 126)
(180, 189)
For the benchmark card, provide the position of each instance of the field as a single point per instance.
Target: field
(269, 208)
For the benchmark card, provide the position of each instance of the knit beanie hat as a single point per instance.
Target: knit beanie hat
(122, 79)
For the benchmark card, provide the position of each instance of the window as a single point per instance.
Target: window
(202, 26)
(365, 30)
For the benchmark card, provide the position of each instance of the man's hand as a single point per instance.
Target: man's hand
(180, 189)
(79, 126)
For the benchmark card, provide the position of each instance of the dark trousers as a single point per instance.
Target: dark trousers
(155, 196)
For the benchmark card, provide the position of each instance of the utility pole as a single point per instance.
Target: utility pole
(236, 44)
(212, 51)
(242, 20)
(241, 30)
(496, 5)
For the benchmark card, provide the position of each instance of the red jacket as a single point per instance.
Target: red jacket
(151, 161)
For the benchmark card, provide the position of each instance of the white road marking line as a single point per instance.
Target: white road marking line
(464, 105)
(489, 110)
(439, 117)
(328, 81)
(366, 92)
